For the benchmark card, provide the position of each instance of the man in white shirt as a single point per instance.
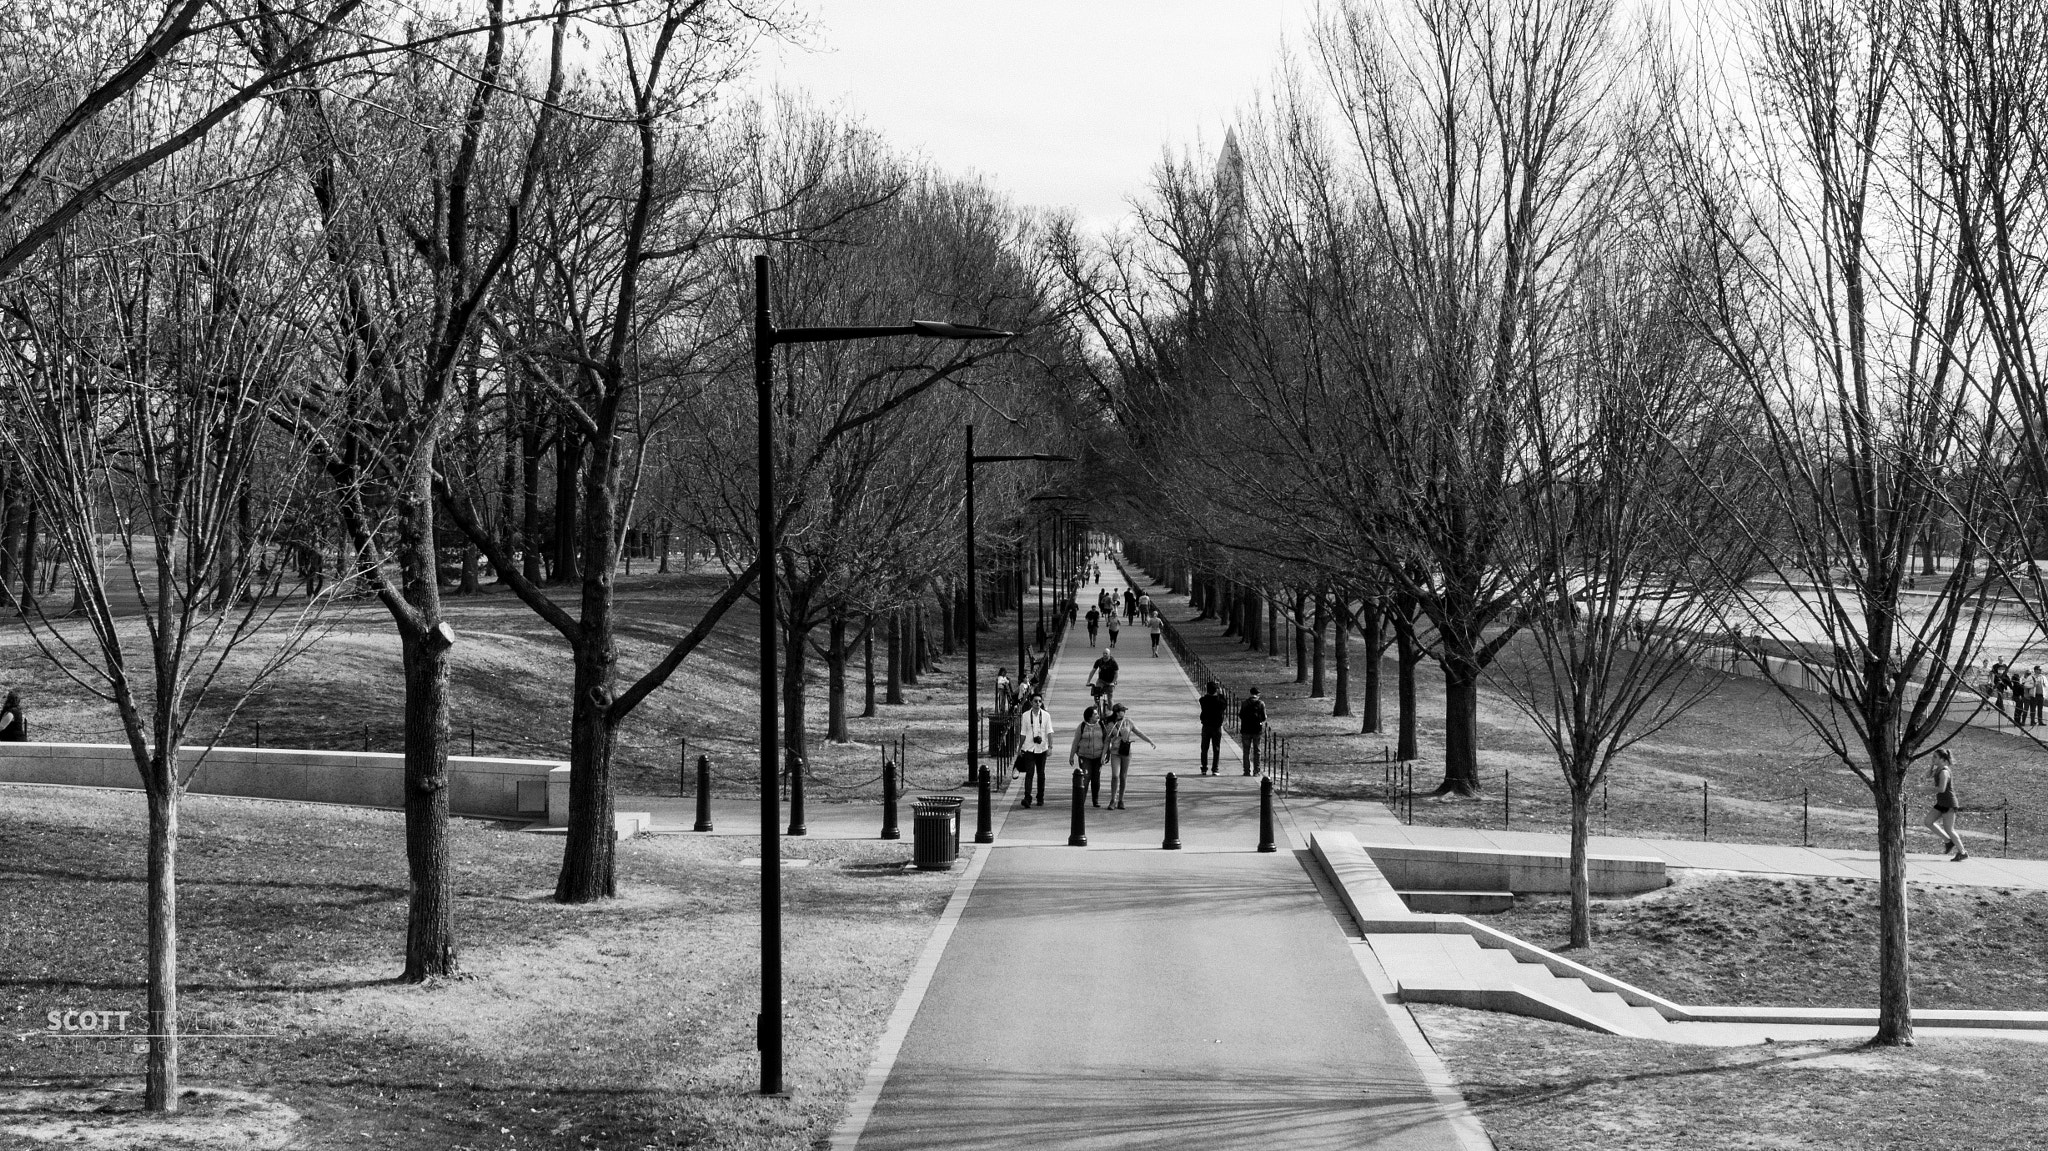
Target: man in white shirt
(1034, 741)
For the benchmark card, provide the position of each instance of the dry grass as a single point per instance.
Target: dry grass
(629, 1024)
(509, 688)
(1745, 742)
(1541, 1086)
(1807, 942)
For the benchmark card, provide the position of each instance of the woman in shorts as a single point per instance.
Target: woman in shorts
(1121, 732)
(1942, 820)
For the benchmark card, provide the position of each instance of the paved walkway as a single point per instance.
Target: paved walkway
(1124, 996)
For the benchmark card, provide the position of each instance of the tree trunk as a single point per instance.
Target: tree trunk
(430, 913)
(160, 1071)
(469, 569)
(835, 680)
(1301, 637)
(1315, 646)
(1894, 990)
(1581, 882)
(1341, 616)
(1370, 629)
(1230, 605)
(913, 645)
(30, 529)
(1251, 619)
(568, 466)
(529, 493)
(1407, 653)
(795, 641)
(1461, 723)
(893, 687)
(867, 647)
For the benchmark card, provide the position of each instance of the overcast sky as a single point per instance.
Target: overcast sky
(1063, 103)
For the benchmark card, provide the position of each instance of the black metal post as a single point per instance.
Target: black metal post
(973, 615)
(472, 737)
(1266, 815)
(796, 796)
(984, 821)
(1077, 831)
(769, 1024)
(1703, 809)
(1805, 813)
(889, 828)
(1507, 782)
(703, 794)
(1172, 841)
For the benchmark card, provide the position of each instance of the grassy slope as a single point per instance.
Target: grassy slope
(621, 1025)
(1749, 746)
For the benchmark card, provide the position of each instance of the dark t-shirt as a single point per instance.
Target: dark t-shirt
(1214, 708)
(1105, 670)
(1252, 716)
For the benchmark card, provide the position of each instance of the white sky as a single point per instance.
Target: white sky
(1061, 103)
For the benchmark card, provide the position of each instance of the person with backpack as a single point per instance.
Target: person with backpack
(1094, 620)
(1090, 744)
(1215, 706)
(13, 727)
(1942, 820)
(1102, 678)
(1121, 732)
(1251, 724)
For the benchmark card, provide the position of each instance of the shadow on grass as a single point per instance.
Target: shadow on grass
(186, 879)
(1483, 1094)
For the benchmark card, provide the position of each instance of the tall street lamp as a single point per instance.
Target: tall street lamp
(766, 337)
(974, 606)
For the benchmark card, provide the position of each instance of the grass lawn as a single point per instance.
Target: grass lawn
(622, 1025)
(1750, 748)
(1541, 1086)
(509, 687)
(1806, 942)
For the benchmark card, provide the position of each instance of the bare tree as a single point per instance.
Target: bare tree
(134, 380)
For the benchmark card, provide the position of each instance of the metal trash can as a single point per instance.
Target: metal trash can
(935, 832)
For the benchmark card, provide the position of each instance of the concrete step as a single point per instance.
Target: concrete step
(1459, 902)
(1431, 968)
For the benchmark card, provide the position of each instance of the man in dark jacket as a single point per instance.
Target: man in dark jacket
(1251, 723)
(1215, 705)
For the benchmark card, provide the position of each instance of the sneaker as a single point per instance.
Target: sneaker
(1959, 856)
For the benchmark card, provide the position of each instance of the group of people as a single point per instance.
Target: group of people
(1137, 609)
(2019, 693)
(13, 727)
(1102, 740)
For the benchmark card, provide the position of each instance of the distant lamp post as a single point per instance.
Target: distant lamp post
(766, 337)
(974, 604)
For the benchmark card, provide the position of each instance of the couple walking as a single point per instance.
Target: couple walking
(1101, 737)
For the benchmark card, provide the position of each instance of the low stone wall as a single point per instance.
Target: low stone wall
(1411, 868)
(477, 785)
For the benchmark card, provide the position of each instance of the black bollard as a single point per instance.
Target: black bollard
(1266, 814)
(703, 794)
(796, 796)
(1172, 842)
(1077, 835)
(984, 829)
(889, 828)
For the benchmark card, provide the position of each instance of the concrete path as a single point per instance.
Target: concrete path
(1124, 996)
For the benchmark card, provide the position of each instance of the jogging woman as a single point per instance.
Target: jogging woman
(1942, 820)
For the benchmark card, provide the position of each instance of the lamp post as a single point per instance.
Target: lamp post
(768, 1025)
(973, 606)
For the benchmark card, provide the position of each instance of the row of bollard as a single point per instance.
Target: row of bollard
(984, 826)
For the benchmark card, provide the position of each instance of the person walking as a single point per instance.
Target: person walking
(1130, 605)
(1089, 745)
(1113, 626)
(1121, 732)
(1144, 603)
(1251, 724)
(1942, 819)
(13, 726)
(1034, 742)
(1154, 624)
(1215, 705)
(1094, 619)
(2037, 692)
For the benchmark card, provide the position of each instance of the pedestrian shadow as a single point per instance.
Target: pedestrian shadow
(1170, 1109)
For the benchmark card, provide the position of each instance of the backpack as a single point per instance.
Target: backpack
(1254, 713)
